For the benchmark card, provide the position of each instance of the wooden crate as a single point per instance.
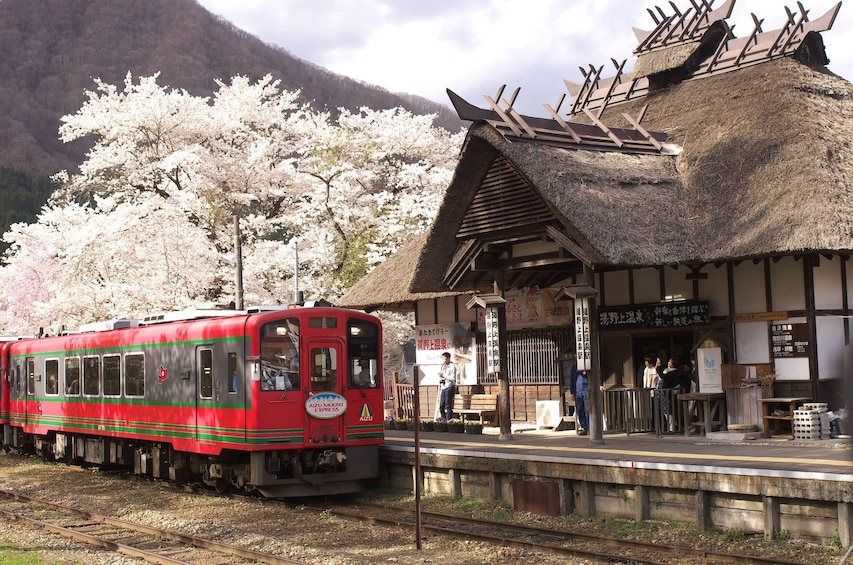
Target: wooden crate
(743, 404)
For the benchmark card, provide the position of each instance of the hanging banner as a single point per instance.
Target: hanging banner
(457, 339)
(583, 348)
(646, 316)
(532, 307)
(493, 350)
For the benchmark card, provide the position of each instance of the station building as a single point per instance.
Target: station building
(701, 200)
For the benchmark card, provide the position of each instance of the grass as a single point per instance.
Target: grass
(732, 534)
(9, 555)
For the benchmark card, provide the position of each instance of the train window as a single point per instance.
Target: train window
(324, 365)
(91, 376)
(363, 349)
(31, 376)
(205, 373)
(51, 377)
(358, 329)
(364, 373)
(112, 375)
(232, 372)
(134, 374)
(280, 355)
(72, 376)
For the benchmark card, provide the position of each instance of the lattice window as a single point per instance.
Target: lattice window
(532, 356)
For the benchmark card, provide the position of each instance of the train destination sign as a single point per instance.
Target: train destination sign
(652, 316)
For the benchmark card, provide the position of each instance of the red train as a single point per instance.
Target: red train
(285, 402)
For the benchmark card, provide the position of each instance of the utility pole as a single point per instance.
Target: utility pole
(238, 253)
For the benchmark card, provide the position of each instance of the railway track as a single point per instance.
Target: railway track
(154, 545)
(598, 548)
(434, 527)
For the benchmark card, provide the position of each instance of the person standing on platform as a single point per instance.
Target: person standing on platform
(579, 392)
(447, 380)
(650, 373)
(667, 382)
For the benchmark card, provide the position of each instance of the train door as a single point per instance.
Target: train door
(326, 404)
(16, 403)
(29, 392)
(205, 390)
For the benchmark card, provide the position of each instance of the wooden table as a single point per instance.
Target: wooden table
(708, 407)
(786, 405)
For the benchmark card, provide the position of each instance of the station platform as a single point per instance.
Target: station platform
(720, 481)
(718, 452)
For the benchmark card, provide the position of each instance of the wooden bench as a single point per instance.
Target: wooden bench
(483, 406)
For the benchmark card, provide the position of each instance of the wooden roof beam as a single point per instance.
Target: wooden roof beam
(497, 109)
(753, 38)
(603, 127)
(568, 244)
(461, 262)
(555, 114)
(613, 85)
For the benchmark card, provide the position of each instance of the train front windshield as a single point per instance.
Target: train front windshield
(363, 352)
(280, 355)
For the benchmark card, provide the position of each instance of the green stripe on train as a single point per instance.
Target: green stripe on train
(131, 348)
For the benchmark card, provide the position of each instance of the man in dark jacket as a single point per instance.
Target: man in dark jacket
(579, 392)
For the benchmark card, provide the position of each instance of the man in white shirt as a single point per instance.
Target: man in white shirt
(447, 380)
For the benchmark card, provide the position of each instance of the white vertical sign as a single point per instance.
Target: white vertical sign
(493, 350)
(709, 362)
(583, 348)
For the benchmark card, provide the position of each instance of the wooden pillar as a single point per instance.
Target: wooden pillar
(596, 404)
(504, 412)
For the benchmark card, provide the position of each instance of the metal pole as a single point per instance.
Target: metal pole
(416, 413)
(238, 251)
(296, 272)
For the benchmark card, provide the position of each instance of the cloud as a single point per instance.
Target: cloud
(475, 46)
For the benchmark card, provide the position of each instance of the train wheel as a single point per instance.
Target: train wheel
(221, 486)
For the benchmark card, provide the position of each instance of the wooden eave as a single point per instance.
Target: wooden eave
(507, 212)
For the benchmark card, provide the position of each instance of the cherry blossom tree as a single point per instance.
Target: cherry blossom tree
(147, 223)
(79, 264)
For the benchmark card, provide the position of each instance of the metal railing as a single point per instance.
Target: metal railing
(635, 410)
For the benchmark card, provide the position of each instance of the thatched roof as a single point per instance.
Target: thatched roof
(767, 161)
(765, 170)
(387, 286)
(662, 60)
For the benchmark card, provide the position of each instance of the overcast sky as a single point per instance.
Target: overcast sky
(474, 46)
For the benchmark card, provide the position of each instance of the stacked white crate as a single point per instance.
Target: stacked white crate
(811, 421)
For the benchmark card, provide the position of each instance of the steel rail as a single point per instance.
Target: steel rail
(193, 541)
(458, 524)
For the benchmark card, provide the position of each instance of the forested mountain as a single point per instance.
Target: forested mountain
(51, 50)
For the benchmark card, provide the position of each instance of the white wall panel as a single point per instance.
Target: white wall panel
(830, 347)
(616, 291)
(749, 290)
(676, 284)
(646, 286)
(827, 284)
(752, 342)
(788, 284)
(715, 289)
